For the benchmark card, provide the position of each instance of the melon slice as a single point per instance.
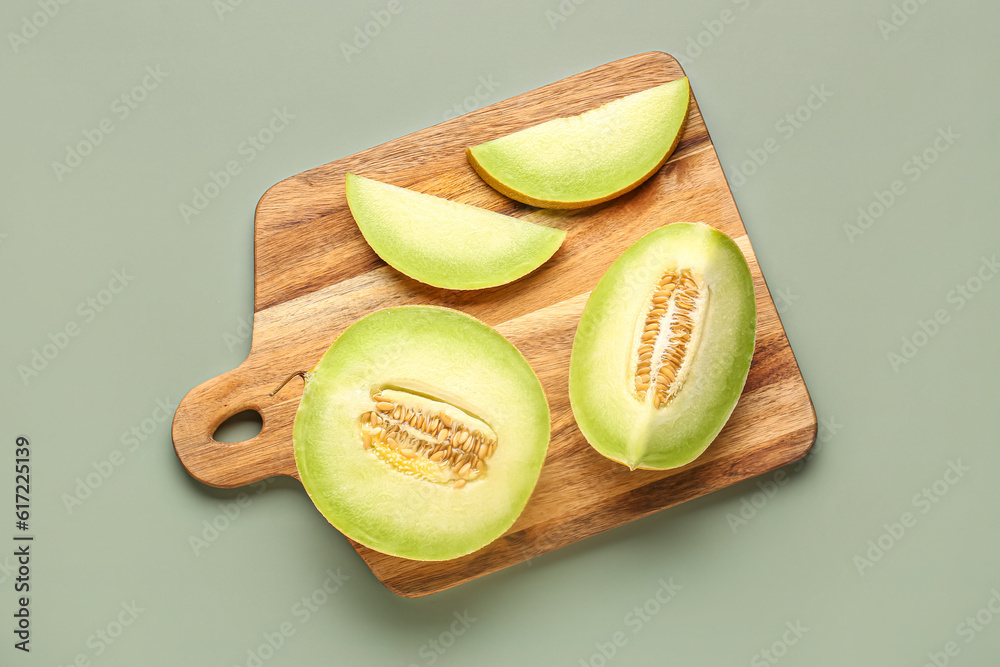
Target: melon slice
(590, 158)
(444, 243)
(421, 433)
(663, 347)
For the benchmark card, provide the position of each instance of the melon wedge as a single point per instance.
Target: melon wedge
(421, 433)
(590, 158)
(444, 243)
(663, 347)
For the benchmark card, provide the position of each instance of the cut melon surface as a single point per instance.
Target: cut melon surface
(399, 388)
(663, 347)
(445, 243)
(583, 160)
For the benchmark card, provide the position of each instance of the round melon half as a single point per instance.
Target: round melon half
(421, 433)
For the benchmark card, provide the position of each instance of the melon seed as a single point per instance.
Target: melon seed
(671, 321)
(424, 442)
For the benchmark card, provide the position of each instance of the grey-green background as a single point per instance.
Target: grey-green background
(889, 81)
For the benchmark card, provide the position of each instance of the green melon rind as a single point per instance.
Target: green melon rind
(600, 387)
(590, 158)
(371, 503)
(445, 243)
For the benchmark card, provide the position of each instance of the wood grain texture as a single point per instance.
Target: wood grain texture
(315, 275)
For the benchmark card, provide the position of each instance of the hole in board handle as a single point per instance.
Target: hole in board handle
(239, 427)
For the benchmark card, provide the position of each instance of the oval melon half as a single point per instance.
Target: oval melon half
(421, 433)
(663, 347)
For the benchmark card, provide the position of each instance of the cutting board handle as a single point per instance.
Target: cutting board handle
(231, 464)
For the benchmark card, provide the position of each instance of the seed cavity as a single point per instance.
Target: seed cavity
(427, 438)
(667, 336)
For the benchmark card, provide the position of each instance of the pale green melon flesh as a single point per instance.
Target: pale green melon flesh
(602, 366)
(444, 243)
(446, 356)
(589, 158)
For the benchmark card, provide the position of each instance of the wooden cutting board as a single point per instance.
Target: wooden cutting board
(315, 275)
